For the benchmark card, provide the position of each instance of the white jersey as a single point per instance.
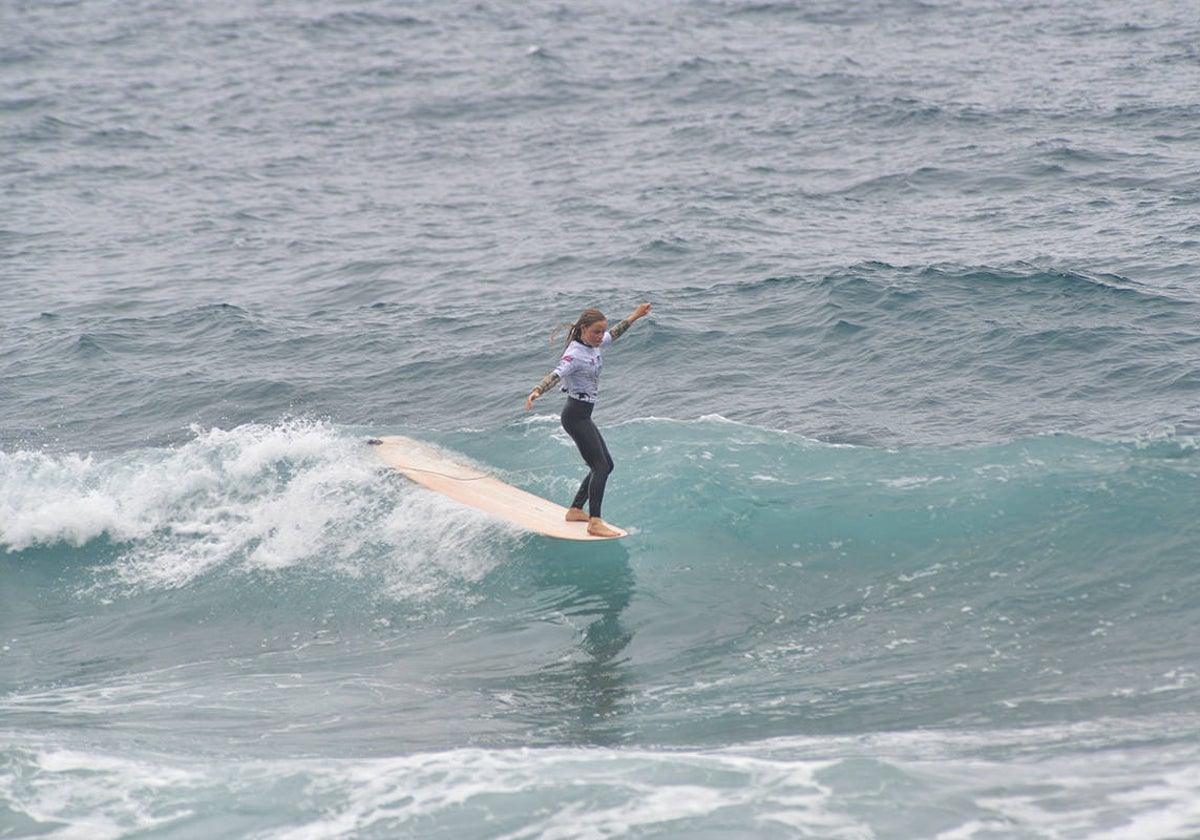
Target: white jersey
(579, 369)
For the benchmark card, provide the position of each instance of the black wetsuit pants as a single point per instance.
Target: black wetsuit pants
(577, 420)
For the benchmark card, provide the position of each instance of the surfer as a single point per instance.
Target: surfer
(579, 373)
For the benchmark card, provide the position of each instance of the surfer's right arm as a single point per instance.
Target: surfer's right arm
(545, 385)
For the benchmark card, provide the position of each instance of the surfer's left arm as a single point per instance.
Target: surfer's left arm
(624, 324)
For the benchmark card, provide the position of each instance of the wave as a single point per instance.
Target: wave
(772, 586)
(1026, 575)
(837, 587)
(308, 493)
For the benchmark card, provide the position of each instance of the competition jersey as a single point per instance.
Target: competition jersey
(579, 369)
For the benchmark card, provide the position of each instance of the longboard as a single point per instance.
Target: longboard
(443, 474)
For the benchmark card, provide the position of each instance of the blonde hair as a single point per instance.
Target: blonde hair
(575, 330)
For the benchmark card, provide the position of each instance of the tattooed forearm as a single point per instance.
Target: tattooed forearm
(547, 384)
(619, 328)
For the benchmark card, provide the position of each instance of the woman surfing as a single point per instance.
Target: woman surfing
(579, 373)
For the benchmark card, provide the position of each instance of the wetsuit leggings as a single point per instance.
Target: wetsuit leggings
(577, 420)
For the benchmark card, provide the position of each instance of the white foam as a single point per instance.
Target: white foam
(93, 796)
(253, 498)
(914, 784)
(47, 499)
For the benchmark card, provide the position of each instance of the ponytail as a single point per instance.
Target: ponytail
(572, 329)
(575, 330)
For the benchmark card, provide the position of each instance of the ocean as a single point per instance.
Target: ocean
(907, 448)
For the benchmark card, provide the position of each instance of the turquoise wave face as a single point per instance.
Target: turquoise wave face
(771, 584)
(812, 632)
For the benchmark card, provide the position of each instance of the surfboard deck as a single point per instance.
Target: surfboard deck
(442, 473)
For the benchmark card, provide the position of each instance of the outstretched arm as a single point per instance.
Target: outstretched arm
(619, 328)
(542, 387)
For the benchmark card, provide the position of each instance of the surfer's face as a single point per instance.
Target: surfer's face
(593, 334)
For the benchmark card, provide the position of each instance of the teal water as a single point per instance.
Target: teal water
(906, 450)
(800, 635)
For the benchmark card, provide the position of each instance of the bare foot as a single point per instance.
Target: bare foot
(597, 527)
(576, 515)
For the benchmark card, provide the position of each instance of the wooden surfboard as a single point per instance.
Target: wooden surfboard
(442, 473)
